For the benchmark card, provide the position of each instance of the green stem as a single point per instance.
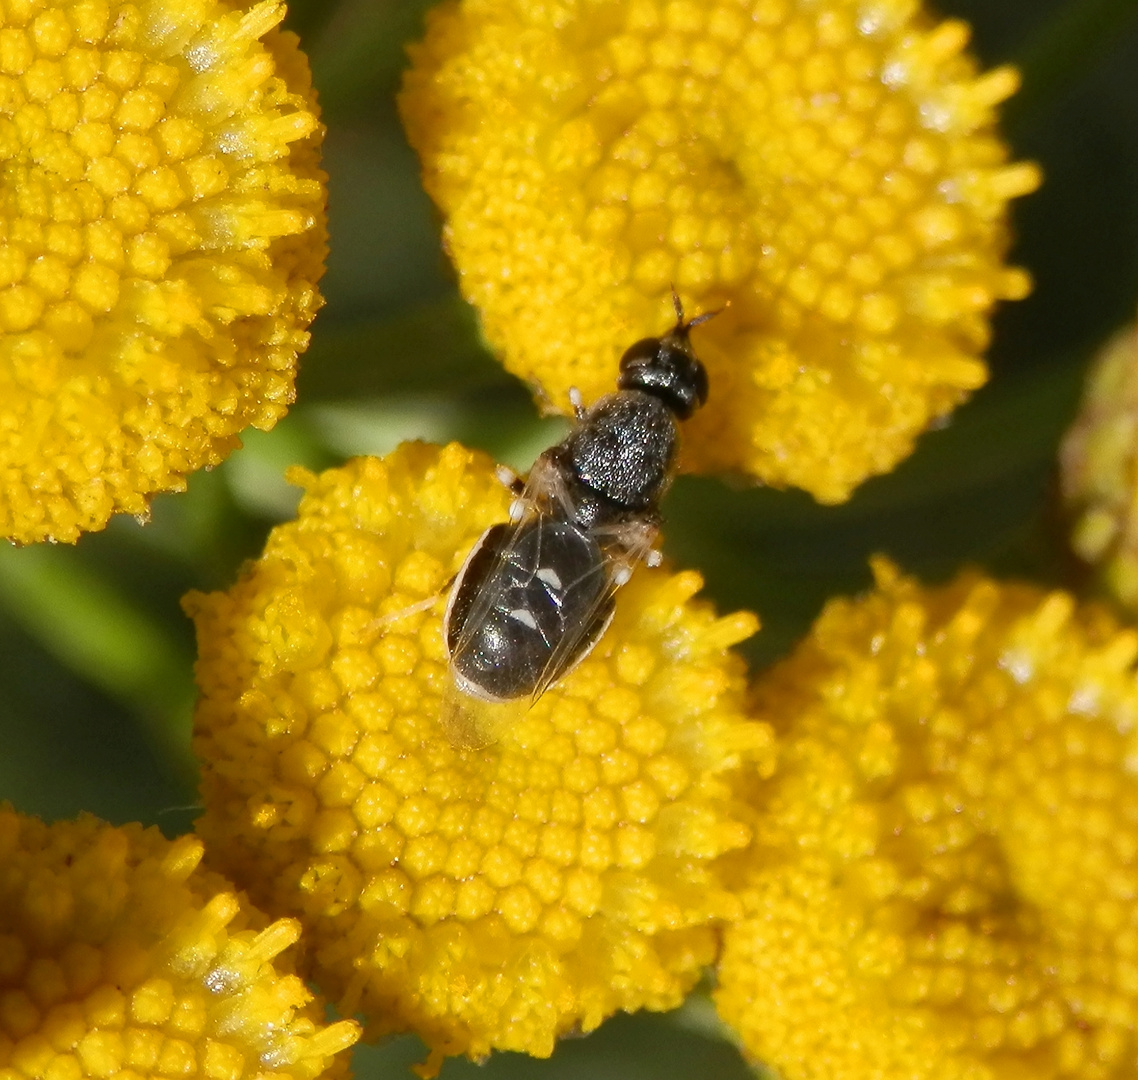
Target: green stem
(89, 626)
(1063, 49)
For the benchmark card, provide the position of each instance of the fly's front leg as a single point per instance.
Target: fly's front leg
(578, 403)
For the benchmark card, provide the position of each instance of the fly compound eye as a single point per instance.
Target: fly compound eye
(698, 384)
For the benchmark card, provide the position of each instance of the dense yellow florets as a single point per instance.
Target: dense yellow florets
(1099, 468)
(946, 862)
(829, 168)
(119, 957)
(161, 236)
(491, 898)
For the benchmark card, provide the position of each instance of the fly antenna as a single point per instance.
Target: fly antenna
(678, 305)
(707, 316)
(699, 320)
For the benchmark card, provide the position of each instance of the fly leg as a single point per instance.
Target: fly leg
(578, 403)
(517, 486)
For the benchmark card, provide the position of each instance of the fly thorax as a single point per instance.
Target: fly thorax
(624, 449)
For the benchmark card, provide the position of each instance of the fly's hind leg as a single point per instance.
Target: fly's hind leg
(382, 622)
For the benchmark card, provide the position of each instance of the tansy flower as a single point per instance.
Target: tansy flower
(945, 865)
(828, 168)
(491, 898)
(119, 957)
(162, 220)
(1099, 468)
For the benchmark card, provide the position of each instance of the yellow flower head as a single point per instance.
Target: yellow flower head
(829, 168)
(119, 957)
(491, 898)
(161, 234)
(1099, 468)
(946, 862)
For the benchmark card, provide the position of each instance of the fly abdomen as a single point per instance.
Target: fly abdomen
(522, 592)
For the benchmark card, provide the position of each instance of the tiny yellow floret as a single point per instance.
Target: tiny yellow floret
(162, 232)
(828, 168)
(120, 957)
(942, 885)
(485, 899)
(1099, 468)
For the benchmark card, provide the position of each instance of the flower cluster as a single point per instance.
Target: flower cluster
(161, 234)
(943, 879)
(937, 880)
(491, 898)
(828, 169)
(120, 957)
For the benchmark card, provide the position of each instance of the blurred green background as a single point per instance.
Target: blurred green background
(95, 678)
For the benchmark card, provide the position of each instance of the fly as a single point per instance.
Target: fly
(536, 593)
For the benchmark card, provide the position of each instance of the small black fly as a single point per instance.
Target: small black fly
(537, 593)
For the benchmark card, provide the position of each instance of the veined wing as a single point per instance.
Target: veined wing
(529, 603)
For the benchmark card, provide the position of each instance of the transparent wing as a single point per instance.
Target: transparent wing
(471, 723)
(622, 547)
(473, 594)
(470, 718)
